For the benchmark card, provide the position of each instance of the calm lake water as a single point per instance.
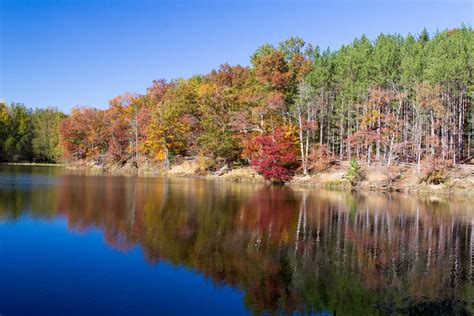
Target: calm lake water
(74, 244)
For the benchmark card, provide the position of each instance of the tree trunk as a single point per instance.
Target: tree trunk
(300, 135)
(392, 139)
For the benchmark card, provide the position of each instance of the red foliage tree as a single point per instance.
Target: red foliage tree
(277, 157)
(118, 133)
(84, 134)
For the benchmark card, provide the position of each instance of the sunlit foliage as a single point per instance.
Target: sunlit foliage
(394, 99)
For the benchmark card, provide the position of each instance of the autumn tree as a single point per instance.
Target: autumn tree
(276, 157)
(85, 134)
(172, 117)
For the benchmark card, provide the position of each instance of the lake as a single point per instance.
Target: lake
(79, 244)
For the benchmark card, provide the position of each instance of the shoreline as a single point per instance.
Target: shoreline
(460, 179)
(38, 164)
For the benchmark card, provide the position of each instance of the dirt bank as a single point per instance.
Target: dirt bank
(401, 178)
(457, 180)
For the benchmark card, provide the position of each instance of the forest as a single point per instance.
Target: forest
(296, 109)
(29, 135)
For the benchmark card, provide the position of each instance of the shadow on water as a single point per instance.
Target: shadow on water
(287, 250)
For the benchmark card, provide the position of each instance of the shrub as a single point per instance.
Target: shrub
(435, 171)
(320, 159)
(277, 157)
(436, 177)
(203, 165)
(354, 174)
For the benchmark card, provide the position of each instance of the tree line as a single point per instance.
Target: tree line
(28, 135)
(297, 108)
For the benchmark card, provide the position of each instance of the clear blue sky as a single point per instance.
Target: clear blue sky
(82, 52)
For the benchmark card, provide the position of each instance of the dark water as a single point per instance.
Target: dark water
(75, 244)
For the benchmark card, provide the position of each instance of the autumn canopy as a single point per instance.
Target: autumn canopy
(394, 99)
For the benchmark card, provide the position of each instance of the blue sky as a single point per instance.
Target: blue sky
(81, 52)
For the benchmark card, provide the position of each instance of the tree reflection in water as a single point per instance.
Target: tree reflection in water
(288, 250)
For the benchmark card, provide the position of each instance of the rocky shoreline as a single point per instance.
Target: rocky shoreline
(400, 178)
